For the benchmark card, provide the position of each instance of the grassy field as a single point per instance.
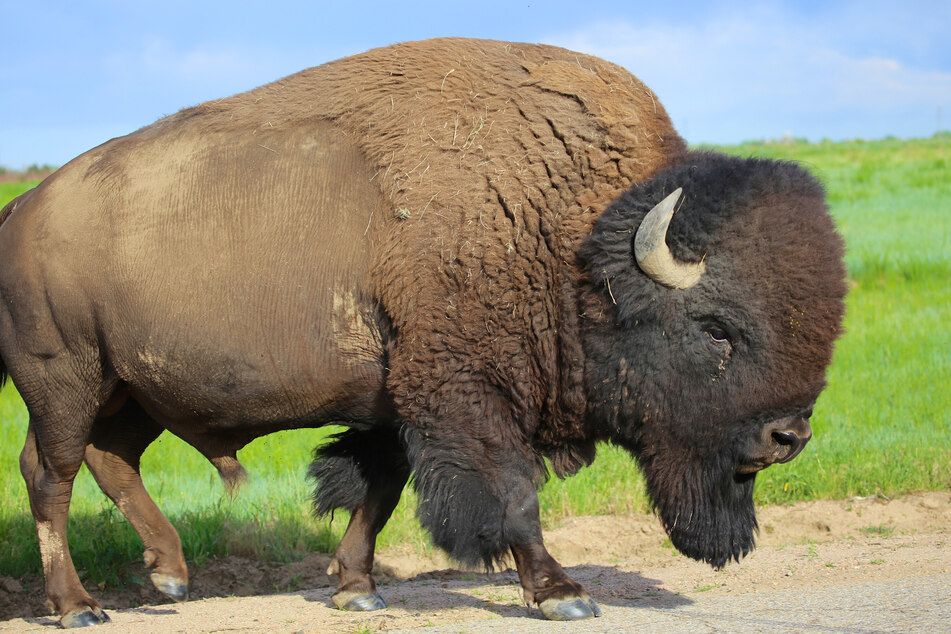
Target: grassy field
(883, 426)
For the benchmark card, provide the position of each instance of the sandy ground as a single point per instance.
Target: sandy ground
(622, 561)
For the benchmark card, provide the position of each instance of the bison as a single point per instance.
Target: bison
(475, 255)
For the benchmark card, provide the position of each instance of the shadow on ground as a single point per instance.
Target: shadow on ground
(500, 592)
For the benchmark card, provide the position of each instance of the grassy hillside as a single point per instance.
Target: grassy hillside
(882, 426)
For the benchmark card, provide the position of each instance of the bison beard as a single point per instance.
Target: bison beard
(707, 511)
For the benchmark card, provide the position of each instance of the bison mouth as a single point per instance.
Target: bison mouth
(778, 442)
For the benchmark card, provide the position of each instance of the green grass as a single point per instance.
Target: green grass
(9, 191)
(883, 426)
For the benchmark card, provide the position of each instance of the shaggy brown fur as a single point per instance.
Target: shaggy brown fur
(496, 158)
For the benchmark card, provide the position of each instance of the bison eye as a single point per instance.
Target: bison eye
(718, 336)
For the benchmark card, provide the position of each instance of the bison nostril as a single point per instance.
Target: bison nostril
(777, 442)
(785, 437)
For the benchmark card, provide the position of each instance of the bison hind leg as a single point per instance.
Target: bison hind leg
(113, 455)
(62, 409)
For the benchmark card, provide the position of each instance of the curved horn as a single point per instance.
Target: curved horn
(654, 256)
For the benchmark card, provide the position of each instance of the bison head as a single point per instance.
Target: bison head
(707, 341)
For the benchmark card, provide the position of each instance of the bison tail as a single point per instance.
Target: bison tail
(3, 374)
(5, 213)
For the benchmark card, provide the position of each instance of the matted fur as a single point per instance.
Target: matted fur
(496, 158)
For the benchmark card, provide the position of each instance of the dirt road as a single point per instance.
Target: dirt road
(858, 565)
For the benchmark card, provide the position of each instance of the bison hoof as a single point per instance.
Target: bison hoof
(170, 586)
(83, 617)
(569, 610)
(355, 602)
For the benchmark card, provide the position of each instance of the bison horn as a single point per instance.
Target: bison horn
(654, 256)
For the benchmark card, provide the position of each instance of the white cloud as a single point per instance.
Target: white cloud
(878, 83)
(162, 59)
(762, 72)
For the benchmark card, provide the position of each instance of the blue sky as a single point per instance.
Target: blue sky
(75, 74)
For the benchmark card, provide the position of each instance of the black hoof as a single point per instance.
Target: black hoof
(359, 602)
(170, 586)
(570, 609)
(84, 617)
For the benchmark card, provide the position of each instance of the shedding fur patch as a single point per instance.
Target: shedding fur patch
(51, 546)
(356, 336)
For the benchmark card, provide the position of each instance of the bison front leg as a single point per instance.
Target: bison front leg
(546, 584)
(363, 472)
(112, 455)
(478, 500)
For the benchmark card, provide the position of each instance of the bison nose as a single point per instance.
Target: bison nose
(786, 437)
(783, 439)
(779, 441)
(791, 441)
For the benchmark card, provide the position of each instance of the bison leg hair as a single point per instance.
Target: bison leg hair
(49, 462)
(463, 496)
(478, 502)
(112, 455)
(363, 472)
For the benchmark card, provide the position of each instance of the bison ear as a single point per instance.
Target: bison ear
(653, 255)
